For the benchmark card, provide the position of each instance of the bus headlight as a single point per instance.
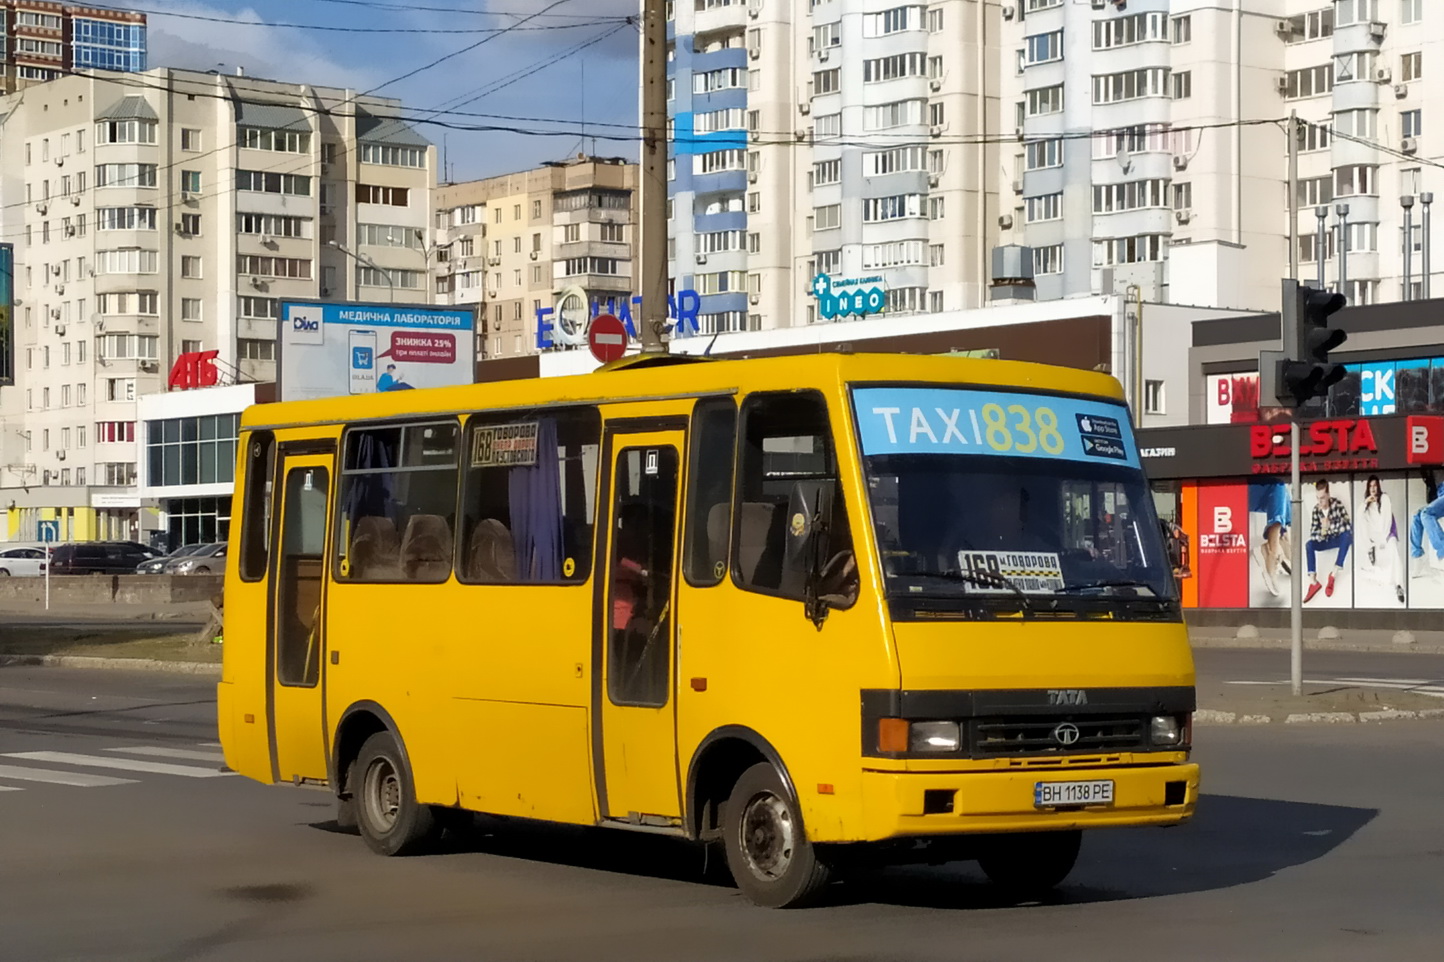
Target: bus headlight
(934, 736)
(1164, 730)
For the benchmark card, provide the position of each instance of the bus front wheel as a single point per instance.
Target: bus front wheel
(387, 813)
(771, 859)
(1029, 865)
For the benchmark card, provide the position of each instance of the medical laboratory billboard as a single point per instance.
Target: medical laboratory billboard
(330, 349)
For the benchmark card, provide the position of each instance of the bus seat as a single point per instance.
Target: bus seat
(759, 543)
(491, 556)
(375, 550)
(426, 548)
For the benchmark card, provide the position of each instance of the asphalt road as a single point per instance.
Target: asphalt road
(1387, 670)
(1319, 843)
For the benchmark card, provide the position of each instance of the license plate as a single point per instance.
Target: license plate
(1053, 794)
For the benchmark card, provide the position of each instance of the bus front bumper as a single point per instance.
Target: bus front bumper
(903, 804)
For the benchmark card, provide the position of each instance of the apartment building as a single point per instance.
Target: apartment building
(831, 137)
(1152, 145)
(561, 236)
(170, 213)
(43, 41)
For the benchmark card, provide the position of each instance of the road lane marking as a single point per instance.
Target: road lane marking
(124, 764)
(1433, 691)
(1393, 681)
(74, 779)
(11, 788)
(177, 753)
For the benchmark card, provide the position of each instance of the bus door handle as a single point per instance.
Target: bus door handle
(699, 684)
(335, 657)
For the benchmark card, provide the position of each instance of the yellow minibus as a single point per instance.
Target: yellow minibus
(819, 611)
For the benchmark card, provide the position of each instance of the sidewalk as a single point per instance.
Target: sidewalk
(1321, 639)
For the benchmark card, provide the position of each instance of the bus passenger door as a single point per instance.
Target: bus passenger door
(636, 628)
(294, 643)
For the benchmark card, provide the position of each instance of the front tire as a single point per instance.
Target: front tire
(771, 860)
(390, 819)
(1028, 866)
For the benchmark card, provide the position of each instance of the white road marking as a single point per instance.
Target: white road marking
(182, 754)
(11, 788)
(123, 764)
(74, 779)
(1392, 681)
(1433, 691)
(210, 744)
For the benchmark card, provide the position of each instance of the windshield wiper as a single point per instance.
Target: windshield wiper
(1094, 585)
(985, 578)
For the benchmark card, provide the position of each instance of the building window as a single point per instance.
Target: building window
(255, 349)
(261, 308)
(1153, 397)
(1310, 82)
(1128, 30)
(128, 302)
(1182, 84)
(392, 156)
(284, 141)
(120, 389)
(190, 138)
(1411, 122)
(270, 182)
(388, 196)
(1043, 47)
(190, 308)
(1048, 260)
(125, 132)
(1181, 29)
(190, 266)
(1045, 100)
(1130, 85)
(1355, 11)
(895, 67)
(191, 225)
(271, 225)
(1411, 66)
(1133, 195)
(1356, 179)
(1315, 25)
(1044, 153)
(896, 207)
(126, 261)
(123, 175)
(1129, 250)
(1045, 207)
(1182, 196)
(192, 450)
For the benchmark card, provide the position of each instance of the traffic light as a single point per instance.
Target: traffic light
(1306, 372)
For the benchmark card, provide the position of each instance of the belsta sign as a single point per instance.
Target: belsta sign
(565, 324)
(848, 297)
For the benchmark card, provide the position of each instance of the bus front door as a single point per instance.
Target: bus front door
(636, 627)
(295, 645)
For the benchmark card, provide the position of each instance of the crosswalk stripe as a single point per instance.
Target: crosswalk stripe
(179, 753)
(75, 779)
(11, 788)
(124, 764)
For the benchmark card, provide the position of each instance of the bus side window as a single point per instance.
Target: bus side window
(709, 491)
(528, 507)
(398, 503)
(787, 487)
(260, 455)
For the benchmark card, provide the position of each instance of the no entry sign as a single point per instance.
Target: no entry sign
(607, 337)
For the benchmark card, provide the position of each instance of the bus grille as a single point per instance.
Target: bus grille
(991, 737)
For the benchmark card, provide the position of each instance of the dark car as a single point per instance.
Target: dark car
(99, 557)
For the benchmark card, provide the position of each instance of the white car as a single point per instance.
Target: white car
(23, 562)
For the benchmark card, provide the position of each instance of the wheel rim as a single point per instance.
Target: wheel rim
(381, 795)
(768, 836)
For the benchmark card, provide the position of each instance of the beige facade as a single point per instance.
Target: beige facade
(168, 212)
(510, 245)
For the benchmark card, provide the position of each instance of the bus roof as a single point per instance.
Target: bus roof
(634, 379)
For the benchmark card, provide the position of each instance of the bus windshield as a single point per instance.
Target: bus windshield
(1026, 500)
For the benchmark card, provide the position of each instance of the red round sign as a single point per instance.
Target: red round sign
(607, 337)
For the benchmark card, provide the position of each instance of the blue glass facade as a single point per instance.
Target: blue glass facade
(107, 45)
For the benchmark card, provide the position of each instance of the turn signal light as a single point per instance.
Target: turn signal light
(892, 735)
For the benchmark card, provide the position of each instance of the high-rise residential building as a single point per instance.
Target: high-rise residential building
(519, 243)
(1152, 144)
(43, 41)
(836, 137)
(169, 213)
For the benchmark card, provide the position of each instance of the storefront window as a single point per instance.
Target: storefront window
(198, 450)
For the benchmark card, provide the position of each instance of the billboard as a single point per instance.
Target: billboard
(7, 315)
(330, 349)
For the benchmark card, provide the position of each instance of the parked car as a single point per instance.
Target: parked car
(211, 558)
(22, 561)
(156, 565)
(99, 557)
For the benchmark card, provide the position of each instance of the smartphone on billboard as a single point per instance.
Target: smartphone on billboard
(363, 362)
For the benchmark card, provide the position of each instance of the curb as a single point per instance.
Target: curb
(1314, 644)
(119, 664)
(1208, 716)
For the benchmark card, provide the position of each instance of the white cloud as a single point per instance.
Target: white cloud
(277, 54)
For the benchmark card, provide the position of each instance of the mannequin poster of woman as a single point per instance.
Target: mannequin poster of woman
(1379, 527)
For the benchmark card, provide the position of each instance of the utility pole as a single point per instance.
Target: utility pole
(1294, 194)
(653, 267)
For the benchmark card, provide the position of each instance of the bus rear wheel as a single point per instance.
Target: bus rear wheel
(390, 819)
(771, 859)
(1030, 865)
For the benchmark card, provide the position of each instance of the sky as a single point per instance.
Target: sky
(571, 83)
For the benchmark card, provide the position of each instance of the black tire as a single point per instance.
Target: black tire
(201, 571)
(4, 573)
(1030, 865)
(390, 819)
(768, 852)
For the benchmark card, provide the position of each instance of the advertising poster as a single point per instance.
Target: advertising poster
(1270, 525)
(1377, 388)
(1188, 520)
(1381, 536)
(1232, 398)
(1411, 386)
(1329, 544)
(1222, 557)
(1425, 539)
(330, 349)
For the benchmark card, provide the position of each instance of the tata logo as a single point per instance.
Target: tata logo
(1067, 734)
(1067, 696)
(306, 325)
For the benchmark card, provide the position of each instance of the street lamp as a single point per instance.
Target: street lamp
(1343, 211)
(1407, 202)
(366, 262)
(1427, 199)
